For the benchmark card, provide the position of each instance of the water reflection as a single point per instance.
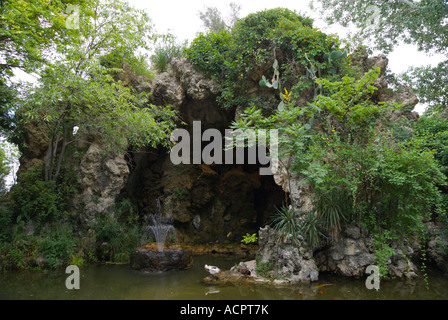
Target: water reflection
(119, 282)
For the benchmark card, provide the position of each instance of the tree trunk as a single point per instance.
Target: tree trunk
(61, 155)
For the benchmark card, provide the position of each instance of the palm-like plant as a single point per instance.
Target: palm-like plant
(333, 210)
(286, 223)
(290, 222)
(310, 227)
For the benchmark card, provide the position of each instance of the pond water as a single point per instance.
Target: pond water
(120, 282)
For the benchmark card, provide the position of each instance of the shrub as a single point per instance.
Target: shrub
(42, 201)
(165, 50)
(120, 231)
(241, 57)
(209, 51)
(57, 244)
(286, 223)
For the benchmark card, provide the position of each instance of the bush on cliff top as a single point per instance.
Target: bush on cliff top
(238, 59)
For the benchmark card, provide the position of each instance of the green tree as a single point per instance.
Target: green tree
(213, 19)
(431, 85)
(79, 91)
(388, 23)
(29, 31)
(28, 28)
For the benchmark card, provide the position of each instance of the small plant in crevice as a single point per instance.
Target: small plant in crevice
(263, 268)
(249, 238)
(333, 208)
(181, 193)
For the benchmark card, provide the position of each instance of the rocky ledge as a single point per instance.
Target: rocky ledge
(245, 272)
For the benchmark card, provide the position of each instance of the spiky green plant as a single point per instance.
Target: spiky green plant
(310, 227)
(290, 222)
(286, 223)
(332, 209)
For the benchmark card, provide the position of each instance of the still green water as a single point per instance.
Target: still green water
(120, 282)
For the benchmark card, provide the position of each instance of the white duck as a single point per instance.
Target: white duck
(212, 269)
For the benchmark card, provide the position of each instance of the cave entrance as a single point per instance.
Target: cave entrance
(207, 203)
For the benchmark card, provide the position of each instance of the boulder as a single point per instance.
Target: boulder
(148, 258)
(352, 252)
(288, 261)
(101, 179)
(349, 255)
(436, 254)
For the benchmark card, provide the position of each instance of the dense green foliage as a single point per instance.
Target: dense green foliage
(344, 146)
(362, 167)
(87, 86)
(239, 58)
(432, 131)
(119, 232)
(29, 28)
(80, 89)
(37, 221)
(39, 200)
(421, 23)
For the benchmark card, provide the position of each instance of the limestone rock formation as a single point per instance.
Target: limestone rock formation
(192, 94)
(101, 179)
(36, 147)
(182, 82)
(349, 256)
(287, 261)
(438, 240)
(219, 202)
(352, 253)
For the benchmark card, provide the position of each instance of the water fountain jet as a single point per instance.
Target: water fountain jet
(160, 227)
